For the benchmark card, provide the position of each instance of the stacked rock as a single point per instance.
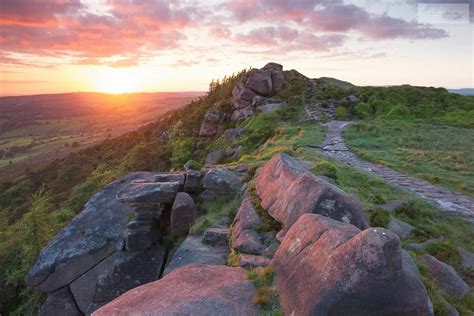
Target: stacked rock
(147, 199)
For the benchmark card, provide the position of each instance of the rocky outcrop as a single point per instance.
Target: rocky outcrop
(192, 290)
(288, 191)
(60, 302)
(325, 267)
(256, 86)
(231, 135)
(182, 214)
(218, 183)
(445, 276)
(215, 157)
(401, 228)
(210, 124)
(244, 229)
(251, 262)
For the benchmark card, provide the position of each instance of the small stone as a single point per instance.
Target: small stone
(248, 241)
(423, 245)
(215, 236)
(252, 261)
(467, 260)
(215, 157)
(401, 228)
(392, 206)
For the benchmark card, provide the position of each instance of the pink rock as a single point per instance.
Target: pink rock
(192, 290)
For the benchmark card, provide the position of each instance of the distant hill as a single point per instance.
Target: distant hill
(336, 82)
(463, 91)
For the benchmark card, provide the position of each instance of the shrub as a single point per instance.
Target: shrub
(398, 112)
(445, 252)
(325, 168)
(379, 218)
(341, 113)
(362, 110)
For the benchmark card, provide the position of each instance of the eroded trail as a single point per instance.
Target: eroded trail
(444, 199)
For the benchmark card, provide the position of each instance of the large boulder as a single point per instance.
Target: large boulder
(116, 275)
(288, 191)
(260, 81)
(91, 236)
(326, 267)
(200, 290)
(242, 96)
(193, 250)
(210, 124)
(193, 181)
(219, 182)
(215, 157)
(60, 302)
(445, 276)
(146, 194)
(242, 114)
(246, 217)
(182, 214)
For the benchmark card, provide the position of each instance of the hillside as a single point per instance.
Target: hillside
(242, 129)
(35, 130)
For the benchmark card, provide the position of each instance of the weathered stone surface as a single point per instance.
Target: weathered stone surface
(231, 135)
(445, 276)
(210, 124)
(288, 191)
(219, 182)
(193, 181)
(200, 290)
(260, 81)
(90, 237)
(467, 260)
(171, 177)
(353, 99)
(423, 245)
(401, 228)
(216, 236)
(193, 250)
(361, 272)
(409, 263)
(242, 96)
(251, 261)
(273, 66)
(258, 100)
(234, 152)
(270, 107)
(392, 206)
(60, 302)
(141, 238)
(182, 214)
(242, 114)
(215, 157)
(115, 275)
(246, 217)
(146, 194)
(278, 79)
(248, 241)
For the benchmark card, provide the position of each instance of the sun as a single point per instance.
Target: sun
(116, 81)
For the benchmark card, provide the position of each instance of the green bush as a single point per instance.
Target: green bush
(341, 113)
(325, 168)
(379, 218)
(362, 110)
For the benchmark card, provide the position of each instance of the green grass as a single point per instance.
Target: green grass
(213, 211)
(439, 154)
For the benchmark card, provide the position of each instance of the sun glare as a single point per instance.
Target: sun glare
(115, 81)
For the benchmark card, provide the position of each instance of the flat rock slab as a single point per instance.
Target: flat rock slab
(216, 236)
(91, 236)
(148, 193)
(199, 290)
(288, 191)
(401, 228)
(251, 261)
(115, 275)
(193, 250)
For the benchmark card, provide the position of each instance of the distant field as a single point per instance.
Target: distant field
(440, 154)
(35, 130)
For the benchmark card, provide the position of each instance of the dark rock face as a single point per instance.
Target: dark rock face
(60, 302)
(193, 250)
(445, 276)
(116, 275)
(149, 193)
(193, 181)
(360, 272)
(231, 135)
(219, 182)
(90, 237)
(210, 124)
(252, 91)
(251, 261)
(288, 191)
(215, 157)
(182, 214)
(200, 290)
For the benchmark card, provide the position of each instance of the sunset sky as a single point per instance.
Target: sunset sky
(49, 46)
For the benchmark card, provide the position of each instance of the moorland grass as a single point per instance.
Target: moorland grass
(439, 154)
